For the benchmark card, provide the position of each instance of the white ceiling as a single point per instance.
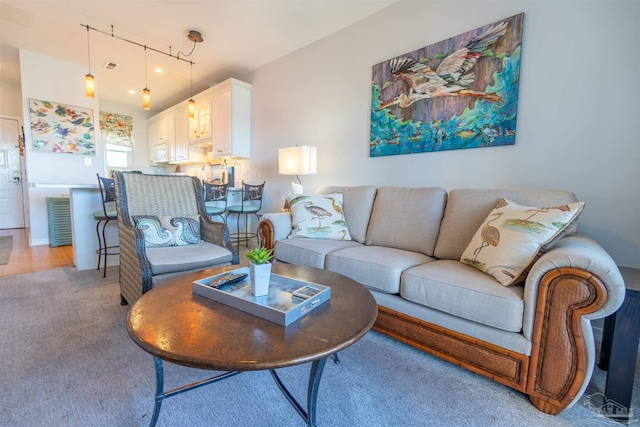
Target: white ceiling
(239, 36)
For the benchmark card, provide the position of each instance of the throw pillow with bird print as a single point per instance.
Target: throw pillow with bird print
(511, 238)
(318, 216)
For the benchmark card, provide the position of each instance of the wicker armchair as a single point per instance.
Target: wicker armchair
(142, 267)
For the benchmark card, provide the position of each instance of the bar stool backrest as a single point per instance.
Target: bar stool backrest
(252, 193)
(108, 193)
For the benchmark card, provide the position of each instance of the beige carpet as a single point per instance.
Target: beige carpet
(66, 359)
(6, 244)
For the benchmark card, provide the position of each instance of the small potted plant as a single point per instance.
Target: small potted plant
(260, 269)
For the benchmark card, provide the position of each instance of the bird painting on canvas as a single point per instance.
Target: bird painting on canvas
(461, 92)
(452, 77)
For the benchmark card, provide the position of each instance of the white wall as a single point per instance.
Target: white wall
(10, 95)
(577, 116)
(52, 79)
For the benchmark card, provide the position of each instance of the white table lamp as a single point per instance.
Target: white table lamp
(298, 160)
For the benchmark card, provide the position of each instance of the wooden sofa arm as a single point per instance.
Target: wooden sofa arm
(273, 227)
(265, 234)
(559, 365)
(573, 283)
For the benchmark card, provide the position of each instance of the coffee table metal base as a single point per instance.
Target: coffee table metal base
(308, 415)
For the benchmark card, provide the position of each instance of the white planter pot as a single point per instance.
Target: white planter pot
(260, 277)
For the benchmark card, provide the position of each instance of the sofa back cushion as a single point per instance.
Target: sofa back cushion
(407, 218)
(357, 205)
(468, 208)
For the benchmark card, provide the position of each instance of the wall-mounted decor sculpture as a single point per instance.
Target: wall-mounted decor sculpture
(60, 128)
(459, 93)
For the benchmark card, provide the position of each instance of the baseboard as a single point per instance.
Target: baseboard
(39, 242)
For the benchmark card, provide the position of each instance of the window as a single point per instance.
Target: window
(117, 156)
(116, 130)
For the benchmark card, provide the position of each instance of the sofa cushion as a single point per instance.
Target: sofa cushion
(182, 258)
(318, 216)
(376, 267)
(463, 291)
(309, 252)
(169, 231)
(358, 202)
(512, 237)
(467, 209)
(407, 218)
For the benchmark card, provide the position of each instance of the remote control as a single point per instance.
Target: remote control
(228, 280)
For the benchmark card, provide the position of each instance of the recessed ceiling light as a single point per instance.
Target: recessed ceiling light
(159, 70)
(132, 92)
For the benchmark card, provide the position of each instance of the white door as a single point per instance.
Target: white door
(11, 213)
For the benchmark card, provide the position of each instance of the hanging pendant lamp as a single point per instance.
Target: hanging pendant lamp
(192, 103)
(89, 81)
(146, 93)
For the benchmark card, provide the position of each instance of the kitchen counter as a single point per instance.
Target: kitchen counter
(85, 200)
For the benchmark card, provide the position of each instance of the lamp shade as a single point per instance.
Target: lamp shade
(298, 160)
(192, 109)
(89, 86)
(146, 99)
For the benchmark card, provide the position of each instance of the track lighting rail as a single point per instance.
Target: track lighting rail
(194, 39)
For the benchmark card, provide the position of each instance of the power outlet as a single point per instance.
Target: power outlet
(87, 161)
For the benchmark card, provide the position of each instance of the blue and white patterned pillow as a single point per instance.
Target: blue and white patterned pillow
(162, 231)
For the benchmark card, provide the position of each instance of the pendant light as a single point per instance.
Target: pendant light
(146, 93)
(193, 36)
(192, 103)
(89, 81)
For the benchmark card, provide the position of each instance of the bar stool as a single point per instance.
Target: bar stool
(108, 213)
(215, 199)
(251, 204)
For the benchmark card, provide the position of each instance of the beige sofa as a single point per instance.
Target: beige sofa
(535, 337)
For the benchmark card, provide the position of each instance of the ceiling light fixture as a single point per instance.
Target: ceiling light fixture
(193, 35)
(146, 93)
(89, 81)
(192, 103)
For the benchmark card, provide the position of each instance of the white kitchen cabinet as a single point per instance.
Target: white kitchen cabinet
(151, 140)
(158, 138)
(200, 125)
(162, 130)
(158, 145)
(170, 119)
(222, 126)
(231, 119)
(181, 120)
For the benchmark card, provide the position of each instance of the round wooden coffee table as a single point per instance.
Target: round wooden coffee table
(174, 324)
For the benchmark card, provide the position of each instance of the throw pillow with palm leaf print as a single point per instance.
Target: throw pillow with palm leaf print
(512, 237)
(318, 216)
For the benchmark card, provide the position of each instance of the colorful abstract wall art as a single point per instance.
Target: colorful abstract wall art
(459, 93)
(60, 128)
